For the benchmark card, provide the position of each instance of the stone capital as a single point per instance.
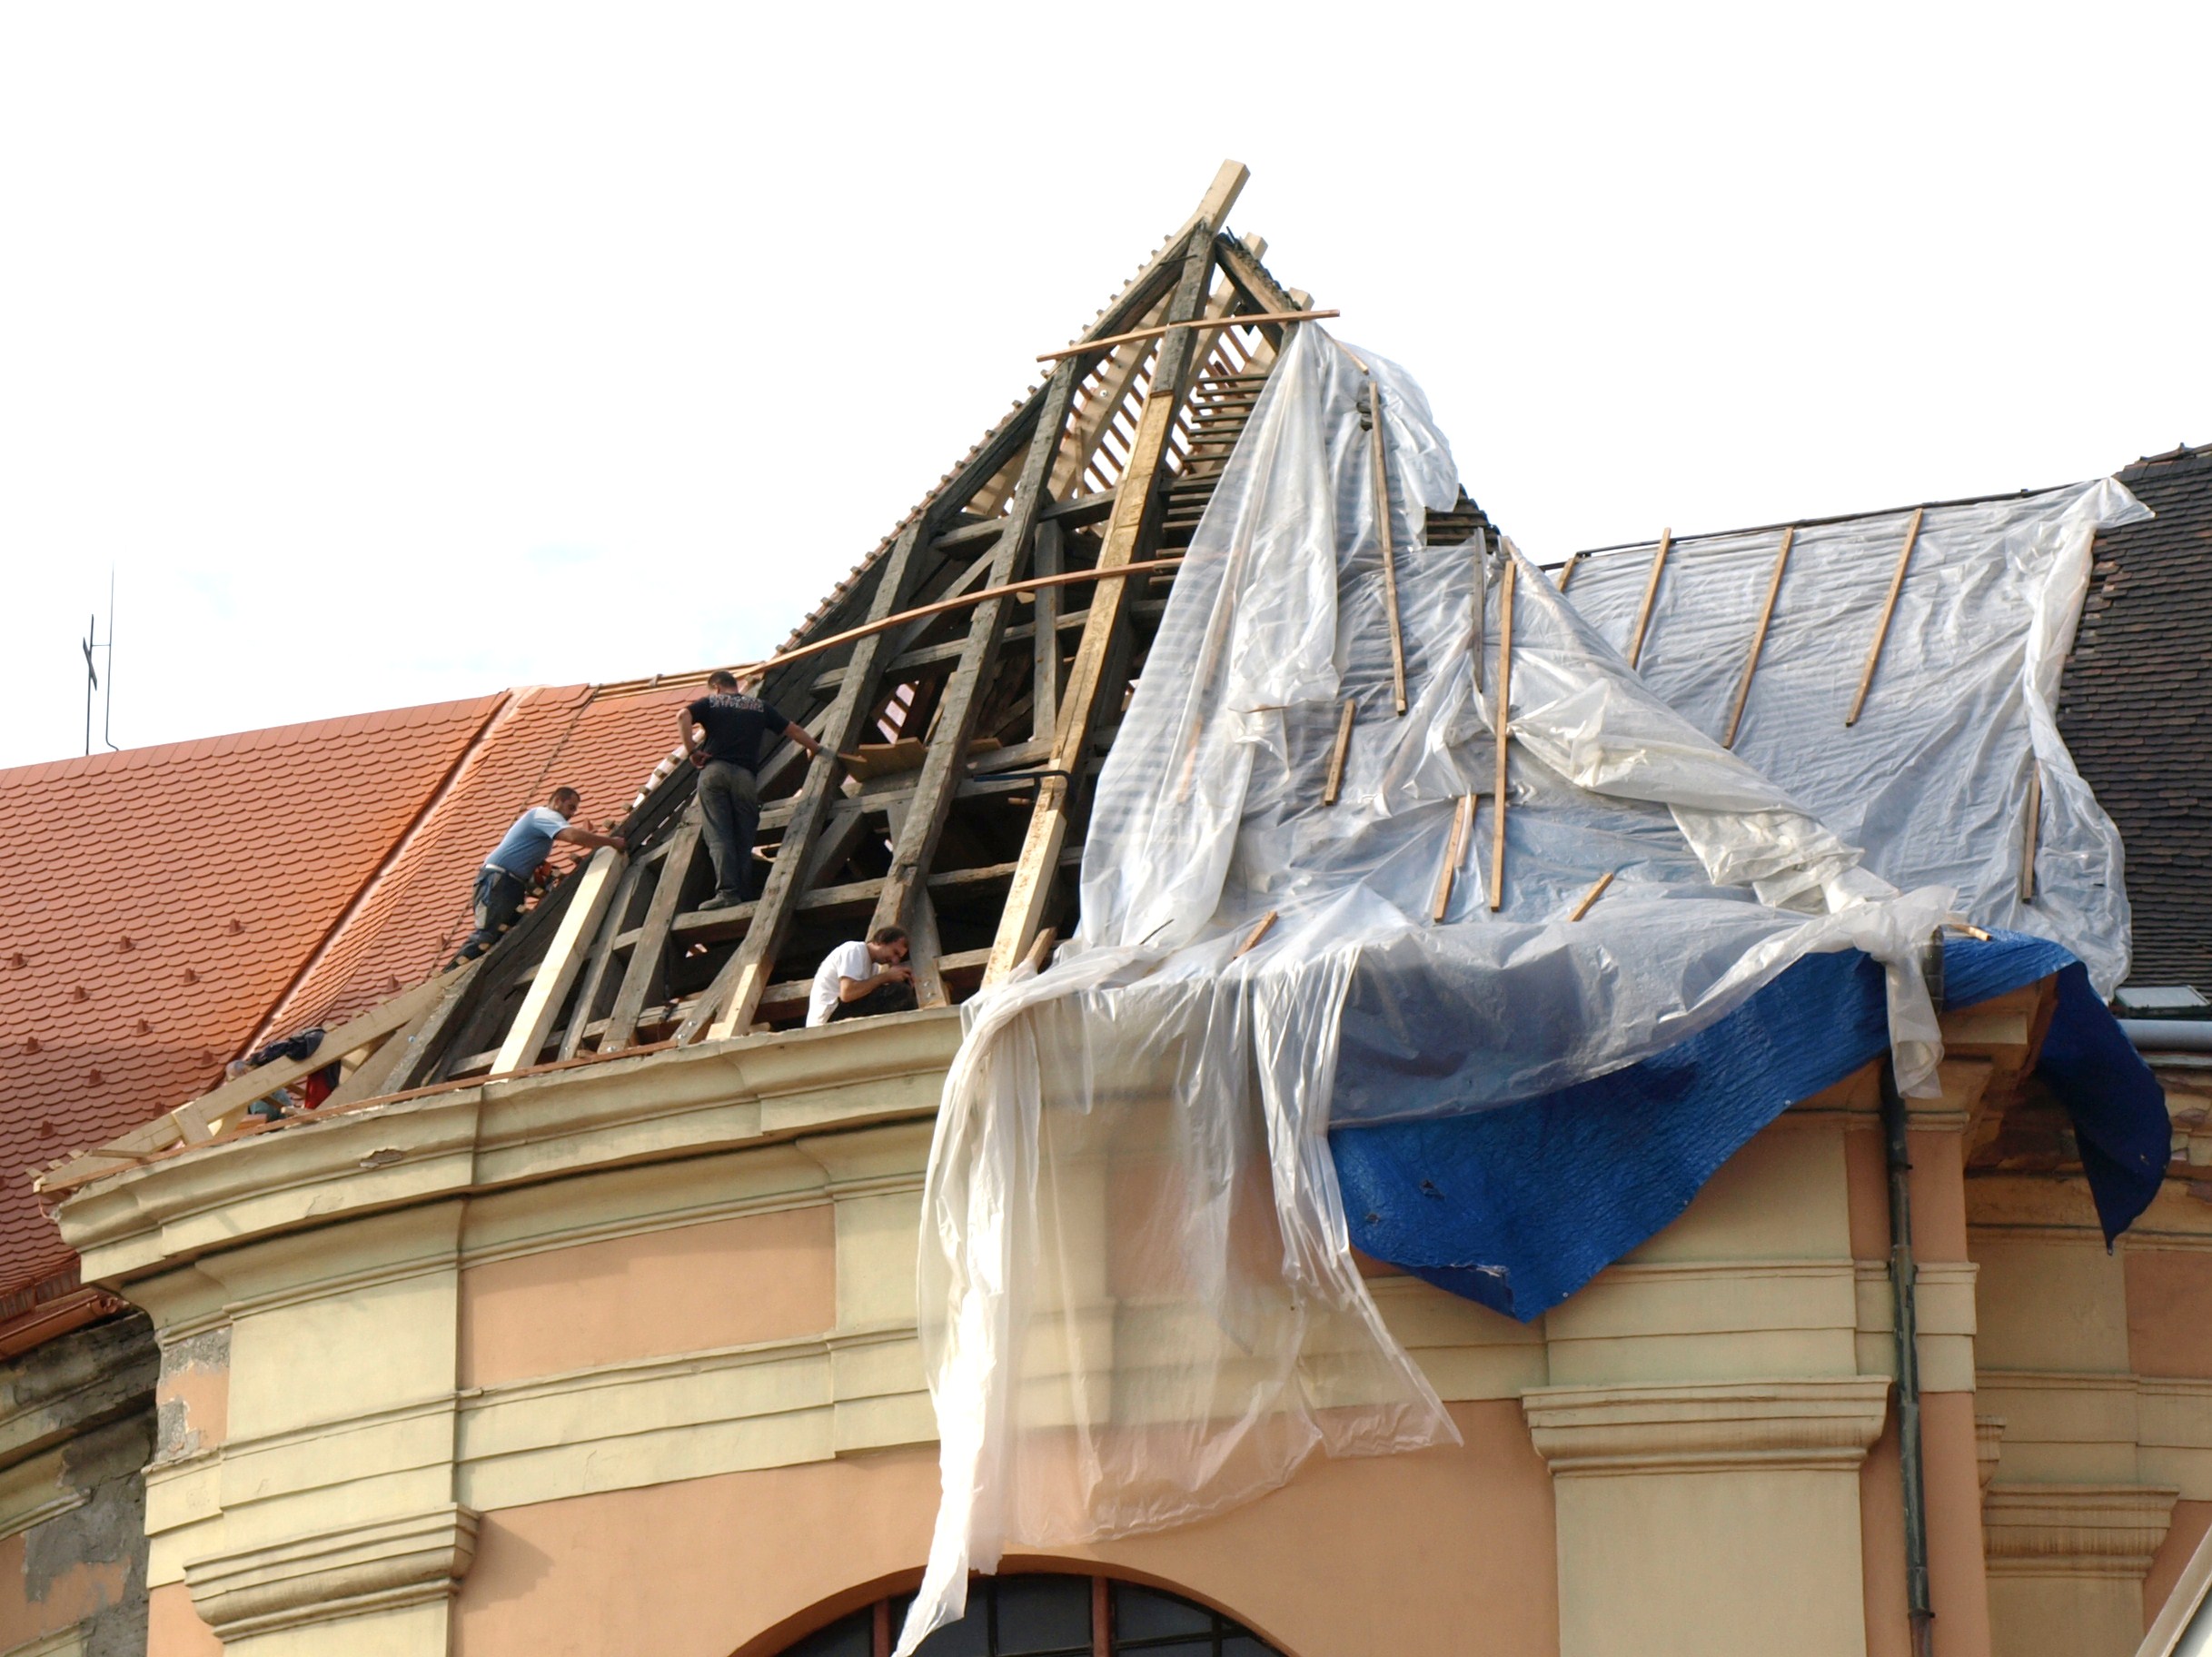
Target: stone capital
(1819, 1424)
(2074, 1529)
(382, 1564)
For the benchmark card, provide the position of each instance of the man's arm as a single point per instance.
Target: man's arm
(853, 990)
(575, 834)
(799, 734)
(689, 728)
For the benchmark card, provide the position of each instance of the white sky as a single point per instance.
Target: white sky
(392, 353)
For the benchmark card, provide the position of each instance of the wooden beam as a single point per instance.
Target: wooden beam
(1503, 719)
(1650, 592)
(2034, 828)
(642, 976)
(1759, 637)
(945, 765)
(883, 624)
(563, 960)
(1592, 895)
(1200, 324)
(205, 1115)
(1387, 537)
(611, 926)
(727, 1005)
(1888, 609)
(1131, 535)
(1335, 786)
(1566, 571)
(1045, 636)
(1456, 853)
(1251, 939)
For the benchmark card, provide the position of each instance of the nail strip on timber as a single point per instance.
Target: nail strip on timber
(2035, 824)
(1881, 627)
(1650, 592)
(1759, 637)
(944, 766)
(1130, 534)
(1592, 895)
(1456, 853)
(1386, 536)
(1503, 720)
(1336, 784)
(1200, 324)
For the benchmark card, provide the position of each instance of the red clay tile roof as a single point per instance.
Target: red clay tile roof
(186, 903)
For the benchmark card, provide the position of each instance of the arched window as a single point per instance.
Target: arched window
(1047, 1616)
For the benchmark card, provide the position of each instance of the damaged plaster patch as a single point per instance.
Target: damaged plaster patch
(89, 1564)
(190, 1367)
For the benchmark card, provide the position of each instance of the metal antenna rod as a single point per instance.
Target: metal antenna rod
(107, 708)
(91, 678)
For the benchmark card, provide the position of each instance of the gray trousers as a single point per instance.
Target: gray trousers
(729, 803)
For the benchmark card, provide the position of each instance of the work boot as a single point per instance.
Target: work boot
(723, 900)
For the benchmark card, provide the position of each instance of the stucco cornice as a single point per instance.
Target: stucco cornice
(2074, 1529)
(1818, 1423)
(714, 1097)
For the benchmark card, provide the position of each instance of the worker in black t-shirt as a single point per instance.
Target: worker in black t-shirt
(736, 726)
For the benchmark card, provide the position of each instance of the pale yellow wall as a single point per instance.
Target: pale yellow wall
(1446, 1551)
(722, 1282)
(174, 1629)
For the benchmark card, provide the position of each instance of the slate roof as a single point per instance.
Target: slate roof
(184, 903)
(2135, 709)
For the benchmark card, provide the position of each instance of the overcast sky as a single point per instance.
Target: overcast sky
(391, 353)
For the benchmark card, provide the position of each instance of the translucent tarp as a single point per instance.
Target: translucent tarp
(1934, 778)
(1137, 1302)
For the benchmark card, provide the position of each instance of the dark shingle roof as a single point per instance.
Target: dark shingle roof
(2135, 709)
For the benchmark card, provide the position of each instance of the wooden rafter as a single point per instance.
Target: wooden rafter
(1130, 533)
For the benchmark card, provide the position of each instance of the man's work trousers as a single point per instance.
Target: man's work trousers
(729, 803)
(499, 899)
(883, 998)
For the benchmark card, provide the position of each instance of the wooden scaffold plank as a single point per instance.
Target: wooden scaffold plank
(1387, 537)
(562, 961)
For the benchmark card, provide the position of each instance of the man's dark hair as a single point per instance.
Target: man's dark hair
(564, 788)
(722, 679)
(888, 935)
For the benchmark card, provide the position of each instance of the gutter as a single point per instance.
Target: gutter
(2169, 1034)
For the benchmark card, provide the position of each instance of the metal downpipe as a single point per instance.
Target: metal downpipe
(1905, 1319)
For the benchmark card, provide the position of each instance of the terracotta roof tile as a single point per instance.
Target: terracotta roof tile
(224, 861)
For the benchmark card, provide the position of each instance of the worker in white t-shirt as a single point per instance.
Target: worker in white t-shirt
(859, 980)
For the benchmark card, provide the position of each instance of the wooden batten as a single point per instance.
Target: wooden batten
(1758, 639)
(1651, 595)
(1881, 625)
(1501, 718)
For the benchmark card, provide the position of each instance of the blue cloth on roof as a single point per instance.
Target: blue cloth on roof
(1518, 1205)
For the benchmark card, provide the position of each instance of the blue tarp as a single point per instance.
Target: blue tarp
(1517, 1207)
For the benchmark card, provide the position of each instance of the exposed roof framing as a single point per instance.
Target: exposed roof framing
(988, 722)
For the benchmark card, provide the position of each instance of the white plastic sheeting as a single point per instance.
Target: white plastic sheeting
(1138, 1305)
(1933, 779)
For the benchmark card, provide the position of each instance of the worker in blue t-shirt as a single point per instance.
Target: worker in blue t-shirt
(728, 792)
(504, 881)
